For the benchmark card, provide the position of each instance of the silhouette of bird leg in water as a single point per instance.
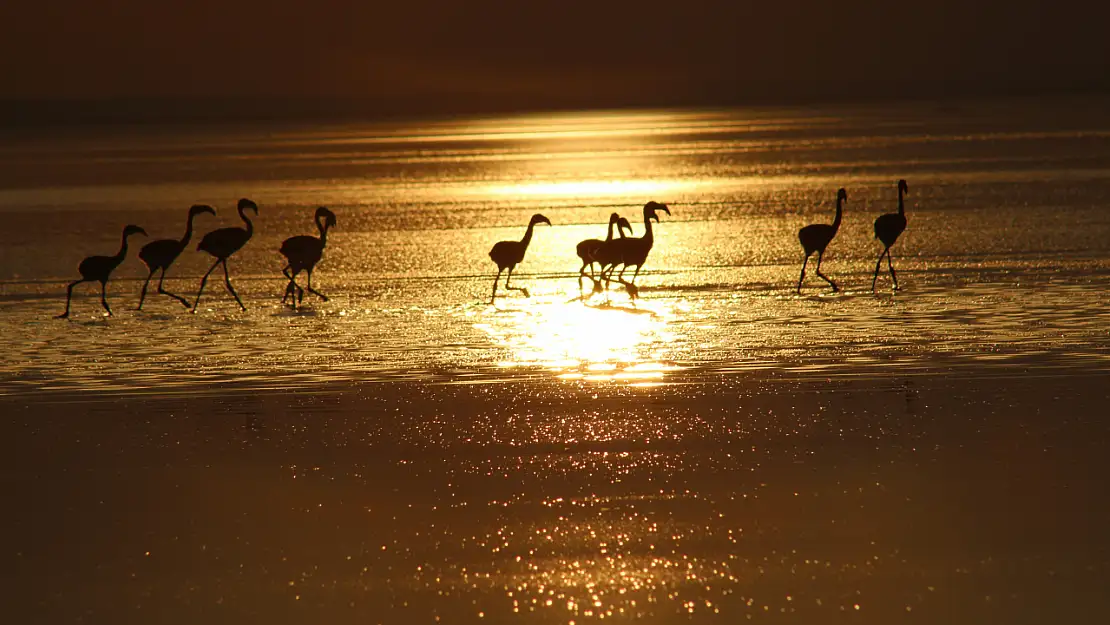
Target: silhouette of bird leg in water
(160, 254)
(587, 251)
(816, 237)
(888, 228)
(507, 254)
(633, 251)
(99, 269)
(302, 253)
(223, 243)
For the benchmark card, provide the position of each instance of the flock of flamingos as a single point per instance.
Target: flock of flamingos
(304, 251)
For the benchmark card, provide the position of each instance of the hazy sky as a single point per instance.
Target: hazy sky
(471, 54)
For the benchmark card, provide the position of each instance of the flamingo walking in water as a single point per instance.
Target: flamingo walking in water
(99, 269)
(633, 251)
(590, 249)
(222, 244)
(162, 253)
(303, 252)
(508, 254)
(888, 228)
(816, 237)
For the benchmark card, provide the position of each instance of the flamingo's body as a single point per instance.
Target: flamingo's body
(223, 243)
(633, 251)
(608, 254)
(160, 254)
(303, 252)
(816, 237)
(508, 254)
(888, 228)
(99, 269)
(591, 250)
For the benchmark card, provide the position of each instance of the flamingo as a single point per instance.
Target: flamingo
(588, 250)
(507, 254)
(816, 237)
(99, 269)
(223, 243)
(633, 251)
(160, 254)
(303, 252)
(888, 228)
(609, 254)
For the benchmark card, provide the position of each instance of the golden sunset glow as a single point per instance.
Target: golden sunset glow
(603, 188)
(577, 342)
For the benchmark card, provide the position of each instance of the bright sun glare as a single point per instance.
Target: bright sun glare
(584, 342)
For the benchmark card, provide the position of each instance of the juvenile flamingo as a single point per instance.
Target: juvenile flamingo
(633, 251)
(507, 254)
(99, 269)
(160, 254)
(888, 228)
(816, 237)
(303, 252)
(223, 243)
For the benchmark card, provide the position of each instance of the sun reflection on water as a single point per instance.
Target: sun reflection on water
(576, 341)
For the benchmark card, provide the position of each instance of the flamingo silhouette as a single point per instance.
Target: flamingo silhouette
(633, 251)
(99, 269)
(816, 237)
(608, 254)
(160, 254)
(589, 249)
(223, 243)
(888, 228)
(303, 252)
(507, 254)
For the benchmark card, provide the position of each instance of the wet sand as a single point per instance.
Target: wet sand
(957, 499)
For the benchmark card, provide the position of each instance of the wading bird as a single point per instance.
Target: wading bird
(160, 254)
(223, 243)
(303, 252)
(507, 254)
(888, 227)
(816, 237)
(608, 255)
(633, 251)
(589, 249)
(99, 269)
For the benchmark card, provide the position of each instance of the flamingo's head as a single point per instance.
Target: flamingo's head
(903, 187)
(539, 219)
(614, 219)
(650, 210)
(130, 230)
(329, 217)
(201, 208)
(623, 224)
(842, 196)
(246, 203)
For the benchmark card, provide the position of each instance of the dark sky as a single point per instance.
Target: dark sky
(529, 53)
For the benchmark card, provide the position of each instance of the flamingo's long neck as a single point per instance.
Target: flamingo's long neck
(648, 236)
(188, 230)
(901, 203)
(836, 220)
(609, 236)
(122, 253)
(250, 226)
(528, 235)
(323, 228)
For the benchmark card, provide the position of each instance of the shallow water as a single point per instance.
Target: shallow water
(719, 449)
(1006, 253)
